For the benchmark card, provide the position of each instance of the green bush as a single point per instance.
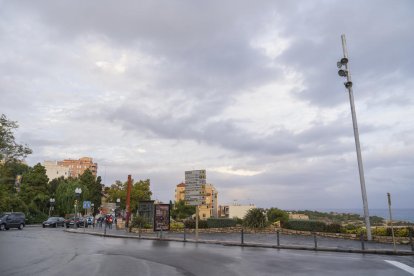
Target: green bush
(333, 228)
(380, 231)
(255, 218)
(305, 225)
(140, 222)
(221, 223)
(191, 223)
(401, 232)
(176, 225)
(35, 217)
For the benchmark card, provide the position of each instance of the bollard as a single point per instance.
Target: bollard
(411, 239)
(161, 234)
(185, 238)
(242, 236)
(139, 232)
(278, 239)
(315, 241)
(362, 241)
(105, 230)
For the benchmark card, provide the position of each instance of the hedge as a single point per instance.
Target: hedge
(313, 226)
(220, 223)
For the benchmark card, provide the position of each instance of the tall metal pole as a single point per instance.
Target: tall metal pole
(357, 145)
(128, 205)
(392, 227)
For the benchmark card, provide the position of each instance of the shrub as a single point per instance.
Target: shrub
(275, 214)
(36, 217)
(140, 222)
(255, 218)
(333, 228)
(220, 223)
(191, 224)
(380, 231)
(305, 225)
(401, 232)
(176, 225)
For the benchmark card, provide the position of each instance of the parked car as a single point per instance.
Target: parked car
(54, 222)
(79, 222)
(90, 220)
(12, 220)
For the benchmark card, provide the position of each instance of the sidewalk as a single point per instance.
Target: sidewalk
(260, 240)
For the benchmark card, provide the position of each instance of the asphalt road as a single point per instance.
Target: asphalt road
(38, 251)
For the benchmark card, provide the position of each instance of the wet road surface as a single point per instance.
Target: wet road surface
(37, 251)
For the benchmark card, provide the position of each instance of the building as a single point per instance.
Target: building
(195, 191)
(180, 192)
(298, 216)
(210, 208)
(78, 167)
(53, 170)
(234, 211)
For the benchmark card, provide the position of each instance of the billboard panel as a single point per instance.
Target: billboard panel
(162, 217)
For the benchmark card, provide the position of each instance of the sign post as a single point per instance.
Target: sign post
(195, 185)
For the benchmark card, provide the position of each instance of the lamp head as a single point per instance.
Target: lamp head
(348, 84)
(342, 73)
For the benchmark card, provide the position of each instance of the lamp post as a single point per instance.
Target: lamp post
(52, 204)
(346, 73)
(78, 192)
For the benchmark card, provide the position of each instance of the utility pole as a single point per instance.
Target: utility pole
(348, 84)
(128, 199)
(392, 227)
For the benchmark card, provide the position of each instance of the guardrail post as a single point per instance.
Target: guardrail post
(315, 241)
(362, 241)
(185, 237)
(278, 238)
(411, 239)
(242, 236)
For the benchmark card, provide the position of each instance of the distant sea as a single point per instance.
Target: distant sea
(397, 214)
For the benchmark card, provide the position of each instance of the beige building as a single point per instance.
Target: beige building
(78, 167)
(298, 216)
(180, 192)
(235, 210)
(53, 170)
(207, 210)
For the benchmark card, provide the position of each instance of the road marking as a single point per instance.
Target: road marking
(405, 267)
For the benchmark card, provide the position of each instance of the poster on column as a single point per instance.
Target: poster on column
(162, 217)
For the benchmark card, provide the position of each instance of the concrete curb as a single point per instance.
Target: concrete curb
(256, 245)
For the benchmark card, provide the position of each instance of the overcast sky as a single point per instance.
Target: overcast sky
(247, 90)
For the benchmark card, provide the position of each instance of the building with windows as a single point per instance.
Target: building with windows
(234, 211)
(180, 192)
(53, 170)
(78, 167)
(198, 193)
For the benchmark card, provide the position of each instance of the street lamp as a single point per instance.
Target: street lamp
(344, 71)
(78, 192)
(52, 204)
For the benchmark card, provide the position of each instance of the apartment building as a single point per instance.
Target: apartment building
(78, 167)
(53, 170)
(209, 206)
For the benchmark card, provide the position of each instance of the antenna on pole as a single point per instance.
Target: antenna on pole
(344, 71)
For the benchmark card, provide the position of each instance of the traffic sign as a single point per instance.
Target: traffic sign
(86, 204)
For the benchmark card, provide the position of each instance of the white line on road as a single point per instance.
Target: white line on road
(405, 267)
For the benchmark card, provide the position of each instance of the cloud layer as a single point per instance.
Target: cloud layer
(248, 91)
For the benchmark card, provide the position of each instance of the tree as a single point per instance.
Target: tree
(182, 211)
(34, 189)
(9, 149)
(140, 191)
(65, 196)
(275, 214)
(255, 218)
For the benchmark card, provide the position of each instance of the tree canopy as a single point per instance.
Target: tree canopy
(9, 148)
